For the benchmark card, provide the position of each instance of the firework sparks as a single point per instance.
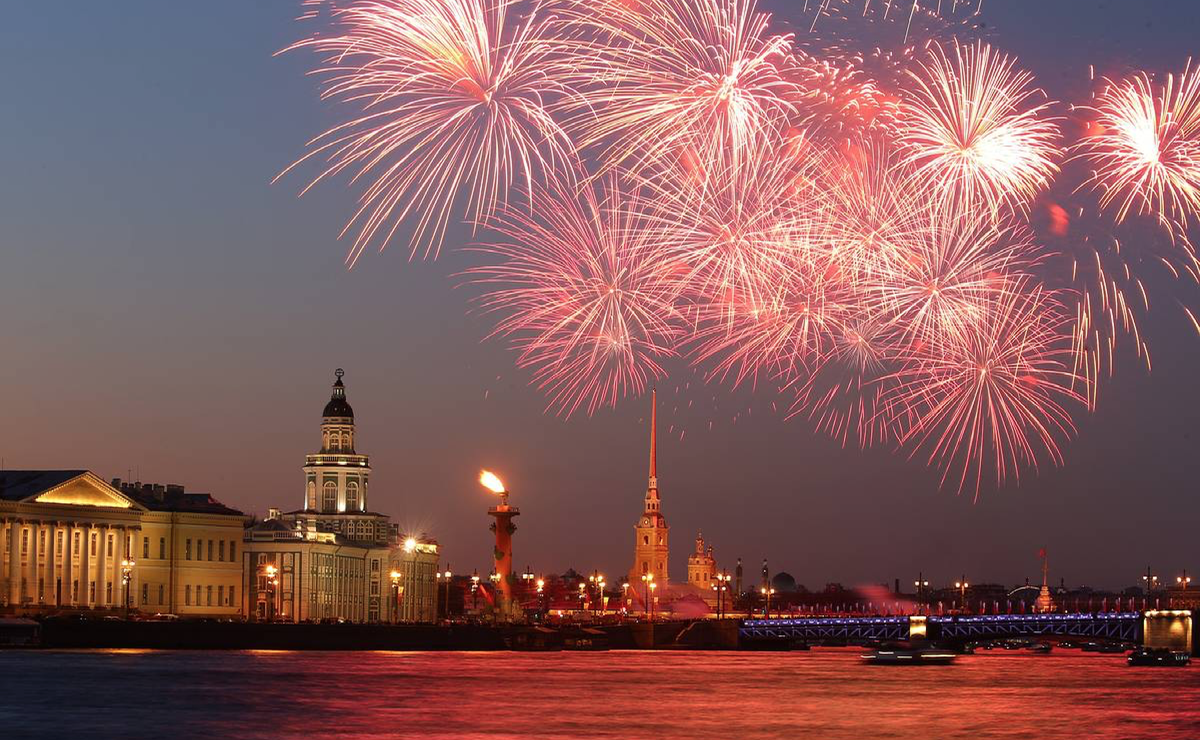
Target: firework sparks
(584, 296)
(968, 125)
(451, 100)
(1144, 144)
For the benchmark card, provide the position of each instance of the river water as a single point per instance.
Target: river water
(823, 694)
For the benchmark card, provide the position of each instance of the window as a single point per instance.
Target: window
(24, 541)
(187, 595)
(108, 546)
(352, 496)
(231, 597)
(220, 595)
(75, 545)
(232, 550)
(75, 590)
(95, 538)
(345, 441)
(221, 550)
(210, 550)
(329, 497)
(187, 550)
(91, 592)
(162, 548)
(145, 548)
(58, 545)
(209, 595)
(645, 539)
(108, 592)
(145, 593)
(160, 594)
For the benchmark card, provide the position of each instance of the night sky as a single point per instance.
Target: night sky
(166, 311)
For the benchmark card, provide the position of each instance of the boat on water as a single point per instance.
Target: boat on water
(1145, 656)
(924, 655)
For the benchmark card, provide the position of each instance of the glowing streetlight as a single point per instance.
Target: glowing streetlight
(1183, 580)
(126, 578)
(962, 587)
(475, 591)
(445, 577)
(767, 594)
(270, 576)
(410, 544)
(397, 589)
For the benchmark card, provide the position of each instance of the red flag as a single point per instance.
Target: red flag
(1042, 553)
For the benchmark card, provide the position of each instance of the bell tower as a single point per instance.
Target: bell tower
(650, 547)
(336, 477)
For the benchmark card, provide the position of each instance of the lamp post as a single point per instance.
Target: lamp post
(625, 597)
(504, 529)
(596, 579)
(767, 594)
(962, 587)
(647, 580)
(271, 575)
(921, 583)
(396, 589)
(1183, 580)
(126, 578)
(1151, 581)
(445, 577)
(721, 586)
(475, 591)
(653, 598)
(541, 592)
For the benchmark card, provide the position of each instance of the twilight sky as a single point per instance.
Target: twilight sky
(166, 310)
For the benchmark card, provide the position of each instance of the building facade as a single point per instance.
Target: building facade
(187, 554)
(334, 559)
(651, 546)
(702, 569)
(66, 535)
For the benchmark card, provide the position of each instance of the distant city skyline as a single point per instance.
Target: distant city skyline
(167, 312)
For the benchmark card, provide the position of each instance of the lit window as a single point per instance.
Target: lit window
(329, 497)
(145, 548)
(162, 548)
(187, 595)
(145, 593)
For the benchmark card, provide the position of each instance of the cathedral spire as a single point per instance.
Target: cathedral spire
(653, 440)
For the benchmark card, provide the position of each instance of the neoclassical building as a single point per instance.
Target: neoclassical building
(334, 558)
(702, 569)
(651, 547)
(74, 542)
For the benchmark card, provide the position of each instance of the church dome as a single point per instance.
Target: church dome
(338, 407)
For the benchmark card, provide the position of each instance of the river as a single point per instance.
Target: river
(823, 694)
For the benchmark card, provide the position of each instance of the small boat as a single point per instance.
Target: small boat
(910, 656)
(1145, 656)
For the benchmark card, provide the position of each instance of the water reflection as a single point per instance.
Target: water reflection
(822, 694)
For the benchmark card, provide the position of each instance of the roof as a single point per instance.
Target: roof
(17, 485)
(338, 406)
(180, 501)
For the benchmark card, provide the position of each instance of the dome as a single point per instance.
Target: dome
(338, 406)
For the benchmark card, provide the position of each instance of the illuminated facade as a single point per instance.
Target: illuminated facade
(66, 533)
(333, 559)
(187, 553)
(651, 533)
(702, 570)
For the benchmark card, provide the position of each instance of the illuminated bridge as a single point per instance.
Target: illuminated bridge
(1163, 628)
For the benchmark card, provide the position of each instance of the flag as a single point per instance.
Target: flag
(1042, 553)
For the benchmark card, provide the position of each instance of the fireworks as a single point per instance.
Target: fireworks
(1144, 143)
(666, 183)
(450, 97)
(585, 298)
(968, 126)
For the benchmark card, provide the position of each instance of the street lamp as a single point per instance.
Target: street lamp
(271, 575)
(475, 591)
(1183, 580)
(647, 585)
(541, 592)
(653, 598)
(396, 590)
(625, 596)
(596, 579)
(767, 593)
(126, 578)
(721, 586)
(962, 587)
(1151, 581)
(445, 577)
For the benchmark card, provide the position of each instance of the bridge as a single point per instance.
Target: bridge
(1156, 628)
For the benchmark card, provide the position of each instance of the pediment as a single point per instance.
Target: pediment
(85, 490)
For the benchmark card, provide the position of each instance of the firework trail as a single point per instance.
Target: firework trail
(674, 78)
(968, 125)
(585, 296)
(450, 98)
(1144, 145)
(999, 399)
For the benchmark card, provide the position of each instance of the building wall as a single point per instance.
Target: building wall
(317, 580)
(190, 564)
(417, 568)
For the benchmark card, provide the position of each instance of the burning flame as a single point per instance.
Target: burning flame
(491, 482)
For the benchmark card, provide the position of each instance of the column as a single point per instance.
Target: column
(51, 562)
(68, 567)
(101, 563)
(14, 562)
(85, 565)
(33, 569)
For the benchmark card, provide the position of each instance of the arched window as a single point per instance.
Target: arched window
(346, 441)
(333, 441)
(645, 539)
(329, 497)
(310, 499)
(324, 440)
(352, 496)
